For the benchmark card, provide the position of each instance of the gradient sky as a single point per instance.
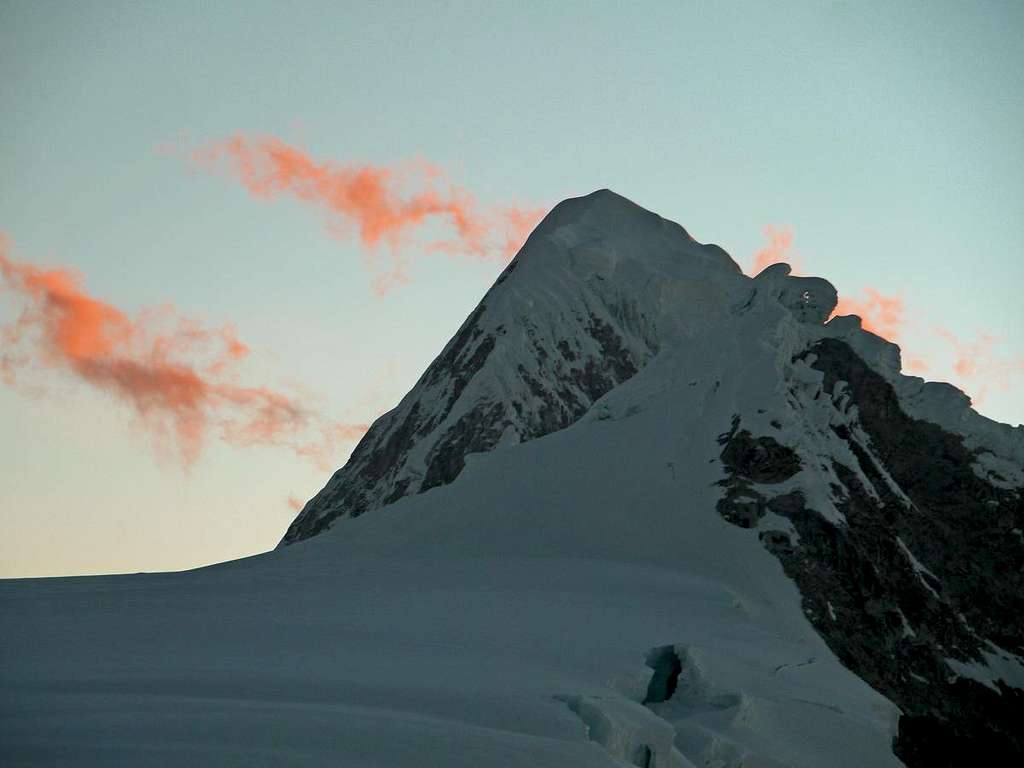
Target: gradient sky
(884, 137)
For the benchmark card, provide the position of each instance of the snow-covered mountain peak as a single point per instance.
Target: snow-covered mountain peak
(675, 518)
(622, 231)
(602, 212)
(598, 290)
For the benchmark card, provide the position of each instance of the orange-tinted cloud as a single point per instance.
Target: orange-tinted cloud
(977, 364)
(178, 376)
(295, 503)
(879, 314)
(780, 243)
(917, 365)
(383, 206)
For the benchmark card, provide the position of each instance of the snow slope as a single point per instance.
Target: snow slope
(602, 575)
(597, 290)
(452, 628)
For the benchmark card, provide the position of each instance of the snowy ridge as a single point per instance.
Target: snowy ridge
(999, 447)
(600, 288)
(592, 296)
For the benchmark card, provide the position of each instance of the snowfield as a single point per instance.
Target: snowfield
(502, 620)
(371, 650)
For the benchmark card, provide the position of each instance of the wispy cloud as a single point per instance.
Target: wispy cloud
(382, 206)
(179, 377)
(978, 364)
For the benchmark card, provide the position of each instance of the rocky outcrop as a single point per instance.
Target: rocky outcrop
(751, 461)
(919, 590)
(424, 443)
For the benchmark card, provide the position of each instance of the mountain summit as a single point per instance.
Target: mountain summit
(591, 297)
(600, 288)
(641, 510)
(892, 505)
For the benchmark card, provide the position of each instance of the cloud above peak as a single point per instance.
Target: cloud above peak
(384, 208)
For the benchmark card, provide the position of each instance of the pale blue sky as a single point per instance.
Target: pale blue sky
(887, 135)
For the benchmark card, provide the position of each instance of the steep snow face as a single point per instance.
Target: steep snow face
(600, 287)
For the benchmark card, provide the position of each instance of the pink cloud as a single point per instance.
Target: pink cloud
(381, 206)
(978, 365)
(178, 376)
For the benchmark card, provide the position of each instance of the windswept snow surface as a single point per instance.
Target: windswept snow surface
(505, 615)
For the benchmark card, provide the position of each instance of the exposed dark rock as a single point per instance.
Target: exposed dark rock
(477, 430)
(565, 377)
(615, 358)
(962, 529)
(759, 459)
(380, 452)
(380, 460)
(901, 587)
(507, 271)
(376, 460)
(777, 542)
(742, 506)
(566, 351)
(469, 331)
(748, 461)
